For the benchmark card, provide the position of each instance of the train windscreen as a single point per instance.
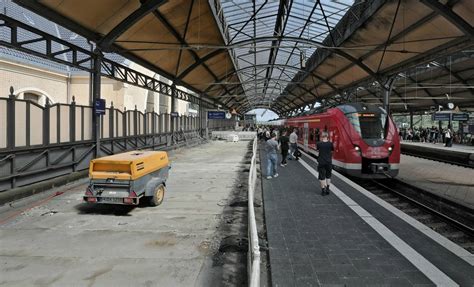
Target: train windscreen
(370, 125)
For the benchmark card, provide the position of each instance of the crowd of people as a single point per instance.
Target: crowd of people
(279, 141)
(433, 135)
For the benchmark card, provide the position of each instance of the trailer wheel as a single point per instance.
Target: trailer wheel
(158, 195)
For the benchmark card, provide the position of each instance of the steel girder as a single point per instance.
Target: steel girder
(145, 8)
(307, 21)
(452, 17)
(182, 41)
(280, 26)
(96, 37)
(82, 59)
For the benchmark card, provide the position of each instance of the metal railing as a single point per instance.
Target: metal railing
(38, 142)
(253, 256)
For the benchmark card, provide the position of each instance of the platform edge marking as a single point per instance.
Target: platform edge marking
(421, 263)
(435, 236)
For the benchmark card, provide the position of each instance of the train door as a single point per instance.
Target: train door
(305, 136)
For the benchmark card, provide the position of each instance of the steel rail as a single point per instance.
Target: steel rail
(461, 226)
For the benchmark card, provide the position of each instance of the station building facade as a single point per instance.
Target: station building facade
(40, 84)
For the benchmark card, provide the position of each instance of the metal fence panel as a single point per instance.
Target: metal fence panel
(130, 123)
(36, 125)
(160, 122)
(20, 123)
(87, 123)
(64, 134)
(119, 123)
(149, 123)
(141, 123)
(105, 121)
(78, 124)
(53, 127)
(3, 123)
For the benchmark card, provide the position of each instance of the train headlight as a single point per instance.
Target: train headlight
(357, 149)
(390, 150)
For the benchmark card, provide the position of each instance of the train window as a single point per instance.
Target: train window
(369, 125)
(311, 134)
(318, 135)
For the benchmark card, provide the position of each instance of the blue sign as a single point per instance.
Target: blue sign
(460, 117)
(441, 117)
(99, 106)
(174, 114)
(216, 115)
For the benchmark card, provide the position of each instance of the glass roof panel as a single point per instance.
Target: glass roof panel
(280, 58)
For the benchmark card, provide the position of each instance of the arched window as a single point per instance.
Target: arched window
(31, 97)
(34, 95)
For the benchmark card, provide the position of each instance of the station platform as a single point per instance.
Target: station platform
(55, 239)
(351, 237)
(457, 154)
(452, 182)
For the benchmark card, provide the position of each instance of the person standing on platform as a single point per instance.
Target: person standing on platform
(271, 147)
(325, 149)
(293, 144)
(267, 135)
(284, 147)
(449, 137)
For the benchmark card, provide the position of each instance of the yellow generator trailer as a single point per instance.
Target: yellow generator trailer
(127, 178)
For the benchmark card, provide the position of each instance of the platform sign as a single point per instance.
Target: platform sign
(216, 115)
(441, 117)
(99, 106)
(461, 117)
(250, 117)
(174, 114)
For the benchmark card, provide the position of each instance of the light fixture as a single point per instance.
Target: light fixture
(450, 106)
(447, 95)
(302, 59)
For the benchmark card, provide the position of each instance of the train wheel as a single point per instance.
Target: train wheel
(158, 195)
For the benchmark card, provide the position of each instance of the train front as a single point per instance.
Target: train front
(374, 141)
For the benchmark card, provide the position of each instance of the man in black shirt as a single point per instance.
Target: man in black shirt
(284, 147)
(325, 148)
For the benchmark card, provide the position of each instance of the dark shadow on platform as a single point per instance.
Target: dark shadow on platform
(106, 209)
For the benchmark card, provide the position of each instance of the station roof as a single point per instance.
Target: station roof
(32, 19)
(163, 36)
(281, 55)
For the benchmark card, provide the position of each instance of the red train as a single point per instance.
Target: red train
(366, 142)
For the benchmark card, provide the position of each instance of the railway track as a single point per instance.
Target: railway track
(464, 159)
(449, 219)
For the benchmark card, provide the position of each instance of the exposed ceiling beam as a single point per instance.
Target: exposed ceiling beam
(183, 42)
(280, 26)
(146, 8)
(452, 17)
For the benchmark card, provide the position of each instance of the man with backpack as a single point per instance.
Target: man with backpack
(293, 145)
(325, 149)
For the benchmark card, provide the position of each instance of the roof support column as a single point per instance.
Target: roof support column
(96, 83)
(173, 108)
(387, 90)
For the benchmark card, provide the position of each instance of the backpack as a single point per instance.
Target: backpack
(297, 153)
